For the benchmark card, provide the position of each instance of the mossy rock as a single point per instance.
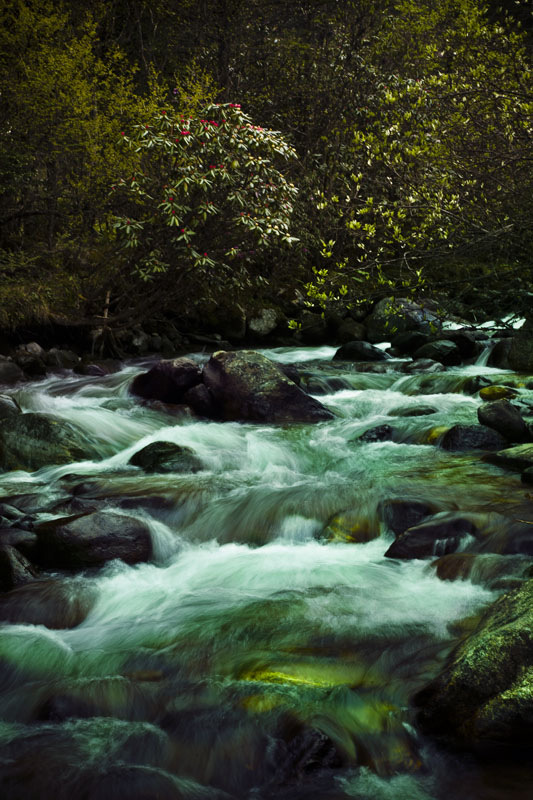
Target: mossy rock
(497, 392)
(31, 441)
(166, 457)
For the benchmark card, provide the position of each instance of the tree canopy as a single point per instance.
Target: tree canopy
(348, 150)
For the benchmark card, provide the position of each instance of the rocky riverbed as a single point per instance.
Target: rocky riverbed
(284, 574)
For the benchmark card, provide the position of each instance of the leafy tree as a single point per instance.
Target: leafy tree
(207, 198)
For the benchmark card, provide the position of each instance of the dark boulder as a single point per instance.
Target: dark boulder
(166, 457)
(247, 386)
(349, 330)
(483, 696)
(399, 514)
(518, 458)
(437, 536)
(413, 411)
(360, 351)
(32, 441)
(9, 372)
(443, 351)
(8, 407)
(472, 437)
(422, 365)
(199, 399)
(57, 604)
(409, 341)
(15, 569)
(380, 433)
(91, 540)
(504, 417)
(167, 381)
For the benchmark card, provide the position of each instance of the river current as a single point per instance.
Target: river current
(261, 654)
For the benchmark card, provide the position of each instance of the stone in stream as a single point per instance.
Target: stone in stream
(472, 437)
(351, 526)
(15, 569)
(399, 514)
(360, 351)
(199, 399)
(91, 540)
(248, 387)
(381, 433)
(484, 694)
(439, 535)
(496, 392)
(502, 416)
(167, 380)
(8, 408)
(413, 411)
(31, 441)
(56, 604)
(10, 373)
(442, 350)
(519, 458)
(492, 570)
(166, 457)
(409, 341)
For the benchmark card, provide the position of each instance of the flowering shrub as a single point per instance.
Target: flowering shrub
(207, 194)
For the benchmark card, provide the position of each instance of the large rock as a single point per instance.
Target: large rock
(398, 514)
(360, 351)
(57, 604)
(472, 437)
(484, 694)
(396, 315)
(265, 322)
(9, 372)
(442, 350)
(90, 540)
(247, 386)
(437, 536)
(166, 457)
(502, 416)
(15, 569)
(31, 441)
(516, 458)
(521, 349)
(168, 380)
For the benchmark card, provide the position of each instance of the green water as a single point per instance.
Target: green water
(253, 658)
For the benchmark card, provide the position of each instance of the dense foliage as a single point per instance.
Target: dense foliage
(407, 128)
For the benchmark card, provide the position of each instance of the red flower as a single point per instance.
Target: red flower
(205, 254)
(170, 199)
(122, 133)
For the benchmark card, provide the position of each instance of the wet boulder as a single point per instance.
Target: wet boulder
(436, 536)
(349, 330)
(380, 433)
(168, 380)
(492, 570)
(472, 437)
(519, 458)
(56, 604)
(504, 417)
(247, 386)
(199, 399)
(442, 350)
(413, 411)
(15, 569)
(32, 441)
(90, 540)
(399, 514)
(496, 392)
(166, 457)
(409, 341)
(360, 351)
(9, 372)
(483, 695)
(8, 408)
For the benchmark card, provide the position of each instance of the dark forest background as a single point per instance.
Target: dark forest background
(402, 165)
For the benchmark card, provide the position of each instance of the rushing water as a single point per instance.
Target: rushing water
(256, 656)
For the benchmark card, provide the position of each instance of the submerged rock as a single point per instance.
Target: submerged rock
(32, 441)
(381, 433)
(166, 457)
(247, 386)
(90, 540)
(484, 694)
(413, 411)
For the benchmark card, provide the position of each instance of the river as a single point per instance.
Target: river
(261, 654)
